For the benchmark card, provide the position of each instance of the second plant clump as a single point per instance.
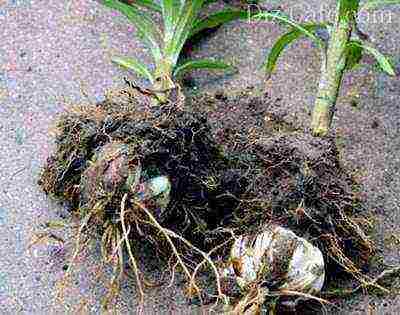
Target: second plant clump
(343, 51)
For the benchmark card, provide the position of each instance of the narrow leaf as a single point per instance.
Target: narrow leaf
(348, 8)
(189, 13)
(149, 4)
(135, 65)
(354, 53)
(205, 64)
(374, 4)
(383, 61)
(217, 19)
(286, 20)
(284, 41)
(171, 9)
(142, 21)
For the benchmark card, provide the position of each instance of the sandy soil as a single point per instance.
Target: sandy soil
(54, 54)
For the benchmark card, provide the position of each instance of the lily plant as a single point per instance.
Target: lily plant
(343, 51)
(180, 22)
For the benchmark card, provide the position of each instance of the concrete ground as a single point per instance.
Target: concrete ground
(57, 53)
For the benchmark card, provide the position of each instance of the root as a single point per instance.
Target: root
(168, 234)
(251, 303)
(374, 283)
(340, 258)
(301, 294)
(78, 241)
(129, 249)
(201, 264)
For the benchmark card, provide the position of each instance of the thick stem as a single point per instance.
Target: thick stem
(331, 74)
(163, 83)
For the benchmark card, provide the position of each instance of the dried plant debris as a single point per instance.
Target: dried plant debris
(191, 186)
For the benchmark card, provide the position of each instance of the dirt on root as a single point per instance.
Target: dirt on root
(234, 164)
(294, 179)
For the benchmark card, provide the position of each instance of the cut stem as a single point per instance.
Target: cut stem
(332, 68)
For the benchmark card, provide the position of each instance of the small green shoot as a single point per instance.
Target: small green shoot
(180, 22)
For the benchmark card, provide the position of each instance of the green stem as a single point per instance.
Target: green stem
(332, 69)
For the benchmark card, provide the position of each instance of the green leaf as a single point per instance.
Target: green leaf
(205, 64)
(217, 19)
(135, 65)
(171, 9)
(374, 4)
(354, 53)
(149, 4)
(284, 41)
(189, 13)
(348, 8)
(383, 61)
(142, 21)
(286, 20)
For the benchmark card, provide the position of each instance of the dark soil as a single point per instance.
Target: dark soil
(295, 180)
(233, 162)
